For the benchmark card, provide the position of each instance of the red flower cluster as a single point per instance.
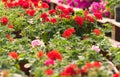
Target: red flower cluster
(25, 3)
(98, 15)
(13, 55)
(45, 18)
(49, 71)
(60, 7)
(116, 75)
(44, 15)
(53, 20)
(88, 17)
(52, 11)
(65, 16)
(54, 54)
(44, 5)
(40, 54)
(31, 12)
(79, 20)
(97, 31)
(4, 0)
(65, 12)
(4, 20)
(67, 33)
(10, 26)
(91, 65)
(9, 37)
(71, 70)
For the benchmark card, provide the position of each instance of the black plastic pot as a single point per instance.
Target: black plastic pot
(22, 68)
(117, 13)
(108, 34)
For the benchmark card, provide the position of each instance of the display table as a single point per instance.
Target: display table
(115, 27)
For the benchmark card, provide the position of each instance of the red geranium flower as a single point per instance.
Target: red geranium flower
(10, 26)
(98, 15)
(67, 16)
(4, 0)
(86, 13)
(52, 11)
(44, 15)
(67, 33)
(54, 54)
(35, 4)
(47, 19)
(70, 70)
(66, 11)
(40, 54)
(97, 64)
(10, 4)
(91, 19)
(70, 9)
(79, 20)
(97, 31)
(49, 71)
(53, 20)
(9, 37)
(26, 4)
(44, 5)
(4, 20)
(64, 16)
(35, 1)
(60, 7)
(13, 55)
(31, 12)
(71, 29)
(116, 75)
(90, 65)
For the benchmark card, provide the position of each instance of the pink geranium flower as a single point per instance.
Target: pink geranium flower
(49, 62)
(37, 43)
(118, 45)
(96, 48)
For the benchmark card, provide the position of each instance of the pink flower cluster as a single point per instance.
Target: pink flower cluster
(98, 6)
(35, 43)
(96, 48)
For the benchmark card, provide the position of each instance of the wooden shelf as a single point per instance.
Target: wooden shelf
(115, 27)
(108, 20)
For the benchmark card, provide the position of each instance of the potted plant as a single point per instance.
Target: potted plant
(112, 7)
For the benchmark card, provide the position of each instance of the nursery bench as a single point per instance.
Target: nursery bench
(115, 27)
